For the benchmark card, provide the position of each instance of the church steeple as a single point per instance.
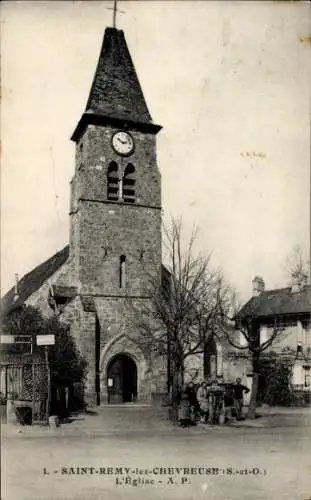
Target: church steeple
(116, 94)
(115, 89)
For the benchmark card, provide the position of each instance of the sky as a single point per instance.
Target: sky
(228, 81)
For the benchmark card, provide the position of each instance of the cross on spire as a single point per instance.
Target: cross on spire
(115, 10)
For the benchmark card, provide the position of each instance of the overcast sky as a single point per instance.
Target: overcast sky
(229, 82)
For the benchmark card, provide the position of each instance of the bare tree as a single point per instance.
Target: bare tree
(248, 326)
(184, 309)
(297, 266)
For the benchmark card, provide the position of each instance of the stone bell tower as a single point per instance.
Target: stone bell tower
(115, 240)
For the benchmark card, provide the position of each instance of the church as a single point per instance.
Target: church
(115, 235)
(114, 242)
(115, 246)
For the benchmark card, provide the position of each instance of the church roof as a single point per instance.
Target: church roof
(278, 302)
(115, 93)
(32, 281)
(115, 89)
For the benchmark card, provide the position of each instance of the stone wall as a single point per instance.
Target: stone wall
(107, 233)
(120, 335)
(94, 153)
(102, 230)
(63, 276)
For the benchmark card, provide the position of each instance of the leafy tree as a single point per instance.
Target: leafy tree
(66, 363)
(275, 372)
(26, 320)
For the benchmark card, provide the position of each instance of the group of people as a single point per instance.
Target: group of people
(211, 402)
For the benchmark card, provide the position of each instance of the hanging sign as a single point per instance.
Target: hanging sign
(23, 339)
(7, 339)
(45, 339)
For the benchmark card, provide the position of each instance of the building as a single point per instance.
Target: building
(290, 309)
(115, 241)
(115, 235)
(115, 245)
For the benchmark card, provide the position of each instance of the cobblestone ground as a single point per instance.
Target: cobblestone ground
(270, 460)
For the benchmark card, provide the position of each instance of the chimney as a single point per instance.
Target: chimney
(258, 286)
(299, 283)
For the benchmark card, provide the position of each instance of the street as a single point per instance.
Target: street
(131, 453)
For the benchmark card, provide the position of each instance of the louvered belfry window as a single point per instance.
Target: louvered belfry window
(129, 184)
(113, 182)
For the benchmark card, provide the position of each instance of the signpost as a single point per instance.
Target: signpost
(15, 339)
(7, 339)
(46, 340)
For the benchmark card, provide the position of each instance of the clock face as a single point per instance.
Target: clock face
(123, 143)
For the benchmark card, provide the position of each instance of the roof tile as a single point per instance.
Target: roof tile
(115, 90)
(278, 302)
(33, 280)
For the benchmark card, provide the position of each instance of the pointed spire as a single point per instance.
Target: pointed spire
(116, 90)
(116, 93)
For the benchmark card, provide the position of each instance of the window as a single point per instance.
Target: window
(298, 379)
(242, 340)
(121, 189)
(129, 184)
(300, 333)
(210, 359)
(122, 271)
(113, 182)
(264, 335)
(307, 376)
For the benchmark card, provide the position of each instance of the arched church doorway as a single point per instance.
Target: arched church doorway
(122, 380)
(210, 359)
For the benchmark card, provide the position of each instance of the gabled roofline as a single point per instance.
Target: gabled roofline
(264, 317)
(280, 302)
(32, 281)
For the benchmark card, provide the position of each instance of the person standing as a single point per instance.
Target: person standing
(202, 397)
(238, 392)
(229, 402)
(192, 397)
(184, 409)
(216, 393)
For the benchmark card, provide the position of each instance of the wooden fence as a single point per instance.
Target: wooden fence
(26, 384)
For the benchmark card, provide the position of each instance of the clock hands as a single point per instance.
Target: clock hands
(122, 142)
